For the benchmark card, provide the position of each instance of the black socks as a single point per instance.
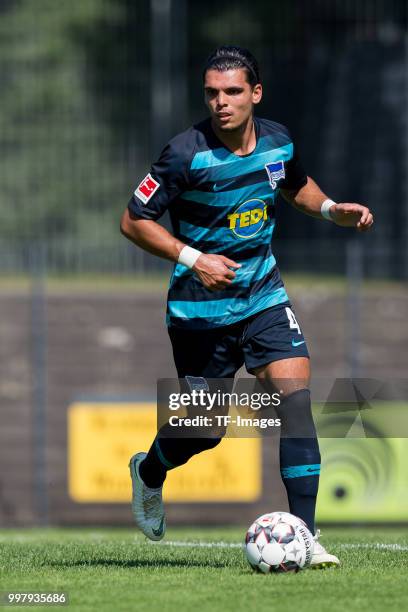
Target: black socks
(299, 455)
(167, 453)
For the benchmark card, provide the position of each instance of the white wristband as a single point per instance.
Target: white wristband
(188, 256)
(325, 209)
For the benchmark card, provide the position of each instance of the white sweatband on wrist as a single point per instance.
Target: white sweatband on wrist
(188, 256)
(326, 206)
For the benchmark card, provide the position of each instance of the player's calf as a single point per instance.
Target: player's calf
(299, 455)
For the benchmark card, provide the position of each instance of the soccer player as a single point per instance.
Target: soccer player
(227, 304)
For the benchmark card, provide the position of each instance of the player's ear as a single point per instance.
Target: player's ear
(257, 93)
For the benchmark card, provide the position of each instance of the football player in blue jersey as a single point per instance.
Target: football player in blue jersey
(227, 305)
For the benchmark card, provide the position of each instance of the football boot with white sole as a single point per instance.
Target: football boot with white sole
(321, 559)
(147, 504)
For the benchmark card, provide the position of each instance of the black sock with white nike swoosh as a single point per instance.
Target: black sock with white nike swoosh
(299, 455)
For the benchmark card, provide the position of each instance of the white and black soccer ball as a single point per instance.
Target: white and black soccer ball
(278, 542)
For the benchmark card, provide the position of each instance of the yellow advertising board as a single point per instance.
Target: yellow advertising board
(103, 436)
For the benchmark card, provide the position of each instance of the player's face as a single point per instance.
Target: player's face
(230, 98)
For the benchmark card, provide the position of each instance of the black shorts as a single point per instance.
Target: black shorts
(269, 335)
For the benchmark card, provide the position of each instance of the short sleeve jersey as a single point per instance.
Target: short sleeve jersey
(222, 203)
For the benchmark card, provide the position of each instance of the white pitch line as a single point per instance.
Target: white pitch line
(190, 544)
(377, 546)
(186, 543)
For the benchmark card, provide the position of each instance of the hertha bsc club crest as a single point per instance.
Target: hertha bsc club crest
(276, 171)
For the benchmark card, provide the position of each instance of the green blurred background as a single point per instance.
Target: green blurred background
(92, 90)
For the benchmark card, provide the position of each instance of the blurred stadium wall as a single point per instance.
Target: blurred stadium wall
(90, 93)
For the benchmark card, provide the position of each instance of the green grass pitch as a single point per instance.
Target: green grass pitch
(201, 570)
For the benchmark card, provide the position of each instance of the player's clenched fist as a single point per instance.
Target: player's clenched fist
(352, 215)
(214, 271)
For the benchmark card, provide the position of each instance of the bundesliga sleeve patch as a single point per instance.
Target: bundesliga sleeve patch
(147, 188)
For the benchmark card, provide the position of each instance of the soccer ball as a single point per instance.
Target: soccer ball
(278, 542)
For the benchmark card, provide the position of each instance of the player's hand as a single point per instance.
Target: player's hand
(214, 271)
(352, 215)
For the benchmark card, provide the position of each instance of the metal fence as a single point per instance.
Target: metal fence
(119, 257)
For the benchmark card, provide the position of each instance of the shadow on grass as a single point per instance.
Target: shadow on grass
(124, 563)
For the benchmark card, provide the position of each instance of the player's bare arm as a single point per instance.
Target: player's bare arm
(309, 200)
(214, 271)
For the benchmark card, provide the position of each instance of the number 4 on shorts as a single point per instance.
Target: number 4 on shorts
(293, 324)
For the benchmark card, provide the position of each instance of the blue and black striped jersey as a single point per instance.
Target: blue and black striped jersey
(222, 203)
